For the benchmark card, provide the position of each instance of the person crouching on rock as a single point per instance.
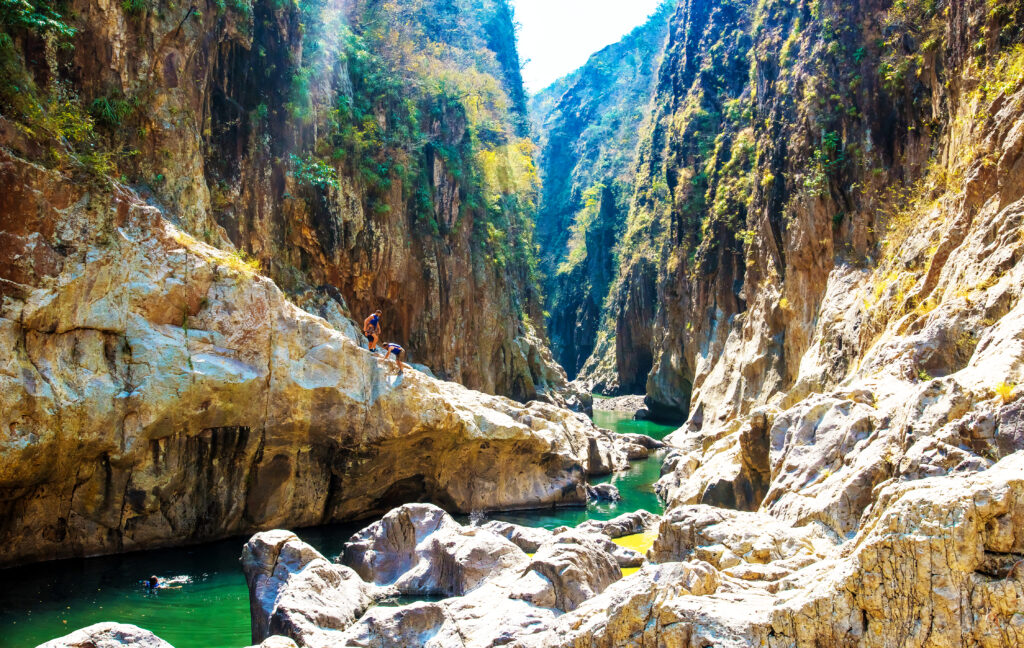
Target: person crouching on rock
(397, 351)
(371, 329)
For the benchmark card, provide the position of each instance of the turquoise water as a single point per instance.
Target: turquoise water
(211, 610)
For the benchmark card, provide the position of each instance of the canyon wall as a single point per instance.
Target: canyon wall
(196, 201)
(588, 125)
(372, 152)
(158, 393)
(793, 149)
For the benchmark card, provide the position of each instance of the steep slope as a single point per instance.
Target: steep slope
(589, 124)
(372, 151)
(792, 145)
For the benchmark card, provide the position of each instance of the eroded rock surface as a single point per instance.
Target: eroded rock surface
(108, 635)
(876, 590)
(419, 550)
(295, 592)
(195, 402)
(566, 571)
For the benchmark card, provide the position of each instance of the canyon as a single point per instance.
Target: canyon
(795, 226)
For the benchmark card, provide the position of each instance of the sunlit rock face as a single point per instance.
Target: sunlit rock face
(294, 134)
(156, 393)
(766, 585)
(109, 635)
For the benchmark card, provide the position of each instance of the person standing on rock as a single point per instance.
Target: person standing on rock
(371, 329)
(397, 351)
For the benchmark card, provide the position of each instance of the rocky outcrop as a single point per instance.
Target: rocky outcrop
(566, 571)
(419, 550)
(877, 589)
(109, 635)
(621, 614)
(295, 592)
(529, 539)
(195, 402)
(622, 525)
(748, 546)
(336, 169)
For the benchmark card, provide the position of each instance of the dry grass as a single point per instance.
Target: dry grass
(1005, 391)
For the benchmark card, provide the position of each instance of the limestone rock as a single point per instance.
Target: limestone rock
(566, 571)
(622, 525)
(738, 543)
(195, 402)
(606, 453)
(623, 613)
(643, 440)
(108, 635)
(604, 493)
(529, 539)
(277, 641)
(418, 549)
(485, 618)
(876, 590)
(297, 593)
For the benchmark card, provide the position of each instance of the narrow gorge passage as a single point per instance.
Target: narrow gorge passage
(211, 610)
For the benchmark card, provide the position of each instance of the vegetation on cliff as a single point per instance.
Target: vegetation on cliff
(588, 125)
(373, 151)
(789, 137)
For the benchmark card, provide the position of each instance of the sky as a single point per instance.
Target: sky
(558, 36)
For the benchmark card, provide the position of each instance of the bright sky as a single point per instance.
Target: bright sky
(558, 36)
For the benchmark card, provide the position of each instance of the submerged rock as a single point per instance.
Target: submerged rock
(604, 493)
(108, 635)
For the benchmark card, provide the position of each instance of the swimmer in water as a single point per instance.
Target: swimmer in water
(153, 583)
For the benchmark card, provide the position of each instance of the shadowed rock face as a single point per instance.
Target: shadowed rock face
(194, 402)
(588, 126)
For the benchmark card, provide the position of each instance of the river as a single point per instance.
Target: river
(211, 610)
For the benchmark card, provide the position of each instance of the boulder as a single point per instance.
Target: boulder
(621, 614)
(529, 539)
(603, 493)
(566, 571)
(418, 549)
(296, 592)
(622, 525)
(277, 641)
(485, 618)
(635, 452)
(606, 453)
(643, 440)
(108, 635)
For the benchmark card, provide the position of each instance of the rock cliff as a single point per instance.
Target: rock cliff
(588, 125)
(372, 151)
(156, 391)
(817, 198)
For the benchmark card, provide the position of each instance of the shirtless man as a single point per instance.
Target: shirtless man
(371, 329)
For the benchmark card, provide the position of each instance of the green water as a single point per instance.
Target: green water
(211, 610)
